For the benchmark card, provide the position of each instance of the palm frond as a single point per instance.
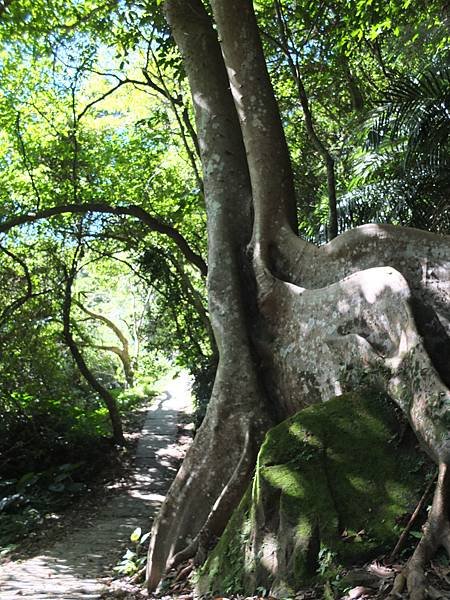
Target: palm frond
(414, 199)
(417, 110)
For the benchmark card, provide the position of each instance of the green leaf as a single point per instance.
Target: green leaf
(57, 487)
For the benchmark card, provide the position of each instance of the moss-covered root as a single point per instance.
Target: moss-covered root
(331, 481)
(436, 534)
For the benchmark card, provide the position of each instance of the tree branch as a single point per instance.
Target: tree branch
(320, 147)
(26, 161)
(82, 365)
(102, 97)
(29, 292)
(108, 323)
(131, 210)
(114, 349)
(123, 353)
(175, 102)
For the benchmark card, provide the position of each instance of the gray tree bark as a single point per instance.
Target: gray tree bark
(290, 320)
(238, 404)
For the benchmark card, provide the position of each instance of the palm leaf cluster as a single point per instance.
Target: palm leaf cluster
(418, 112)
(403, 174)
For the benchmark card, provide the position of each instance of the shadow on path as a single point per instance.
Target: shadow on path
(72, 568)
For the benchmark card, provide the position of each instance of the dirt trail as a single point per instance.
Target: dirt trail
(72, 568)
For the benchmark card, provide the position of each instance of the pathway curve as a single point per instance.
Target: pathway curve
(72, 568)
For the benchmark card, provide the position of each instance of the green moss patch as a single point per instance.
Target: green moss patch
(334, 476)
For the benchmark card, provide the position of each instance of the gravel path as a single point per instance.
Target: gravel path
(72, 568)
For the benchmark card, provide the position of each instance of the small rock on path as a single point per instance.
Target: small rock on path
(72, 568)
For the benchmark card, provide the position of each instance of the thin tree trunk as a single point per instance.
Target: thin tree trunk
(320, 147)
(356, 97)
(108, 399)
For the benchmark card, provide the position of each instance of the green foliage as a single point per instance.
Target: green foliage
(417, 111)
(131, 398)
(347, 53)
(25, 502)
(330, 573)
(401, 176)
(134, 560)
(95, 108)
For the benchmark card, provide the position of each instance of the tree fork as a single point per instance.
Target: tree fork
(238, 401)
(267, 152)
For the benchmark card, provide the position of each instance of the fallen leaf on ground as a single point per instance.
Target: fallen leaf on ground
(359, 592)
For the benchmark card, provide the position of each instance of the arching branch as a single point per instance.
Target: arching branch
(124, 352)
(15, 304)
(131, 210)
(106, 321)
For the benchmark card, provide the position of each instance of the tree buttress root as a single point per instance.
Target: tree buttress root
(436, 534)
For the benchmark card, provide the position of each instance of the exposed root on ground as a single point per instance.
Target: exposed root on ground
(198, 548)
(208, 487)
(436, 535)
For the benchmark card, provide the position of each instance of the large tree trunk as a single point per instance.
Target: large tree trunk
(221, 457)
(294, 324)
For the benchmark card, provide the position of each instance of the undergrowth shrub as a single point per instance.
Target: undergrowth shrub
(50, 451)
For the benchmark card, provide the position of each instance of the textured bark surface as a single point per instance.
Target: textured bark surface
(263, 135)
(237, 407)
(335, 476)
(322, 341)
(294, 324)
